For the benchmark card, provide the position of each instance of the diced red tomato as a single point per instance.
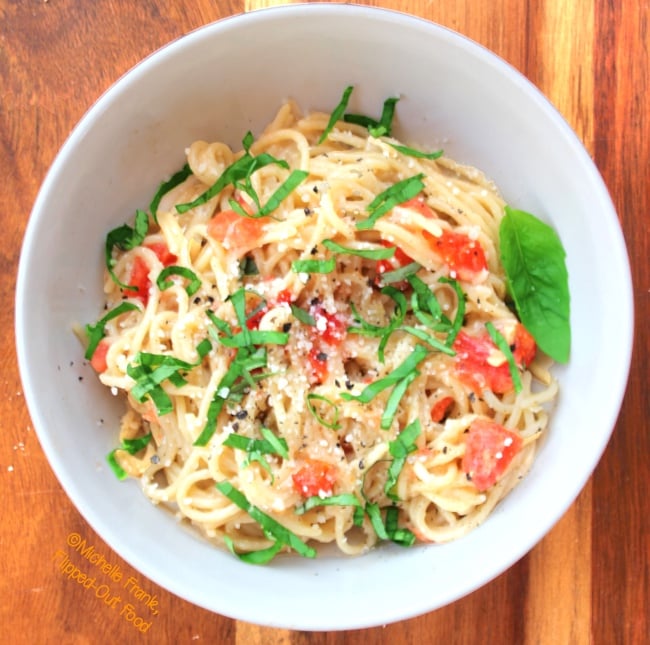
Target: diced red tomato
(473, 352)
(162, 252)
(525, 346)
(140, 280)
(489, 450)
(98, 360)
(463, 256)
(418, 204)
(315, 478)
(329, 333)
(253, 322)
(318, 364)
(440, 408)
(238, 234)
(330, 328)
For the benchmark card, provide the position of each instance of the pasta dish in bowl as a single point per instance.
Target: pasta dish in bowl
(337, 317)
(317, 343)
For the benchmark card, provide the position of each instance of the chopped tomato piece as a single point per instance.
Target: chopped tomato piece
(140, 280)
(419, 205)
(489, 450)
(329, 332)
(315, 478)
(253, 322)
(237, 233)
(525, 346)
(98, 360)
(440, 408)
(162, 252)
(330, 328)
(463, 256)
(318, 364)
(475, 360)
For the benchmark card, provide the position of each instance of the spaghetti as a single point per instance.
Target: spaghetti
(315, 343)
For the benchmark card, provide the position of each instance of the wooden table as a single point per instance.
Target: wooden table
(587, 581)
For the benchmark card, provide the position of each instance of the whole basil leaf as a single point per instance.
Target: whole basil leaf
(534, 261)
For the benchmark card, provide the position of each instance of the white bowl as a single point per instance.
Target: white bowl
(215, 84)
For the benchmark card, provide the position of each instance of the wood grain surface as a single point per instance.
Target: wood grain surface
(588, 580)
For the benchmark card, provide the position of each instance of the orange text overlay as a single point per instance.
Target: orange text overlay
(107, 582)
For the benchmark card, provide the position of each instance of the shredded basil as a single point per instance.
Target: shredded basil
(272, 529)
(376, 128)
(383, 253)
(149, 371)
(400, 449)
(502, 344)
(194, 281)
(534, 261)
(400, 274)
(397, 194)
(132, 446)
(403, 537)
(256, 448)
(334, 424)
(412, 152)
(96, 332)
(344, 499)
(176, 179)
(337, 113)
(432, 341)
(261, 556)
(238, 174)
(459, 318)
(394, 399)
(303, 316)
(313, 266)
(402, 371)
(124, 237)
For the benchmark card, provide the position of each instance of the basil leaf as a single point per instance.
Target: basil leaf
(283, 191)
(403, 537)
(176, 179)
(239, 171)
(313, 266)
(395, 397)
(118, 471)
(400, 372)
(150, 370)
(334, 425)
(126, 238)
(344, 499)
(194, 281)
(383, 253)
(400, 449)
(270, 445)
(400, 274)
(302, 315)
(459, 318)
(397, 194)
(432, 341)
(256, 337)
(262, 556)
(270, 526)
(131, 446)
(374, 515)
(97, 331)
(376, 128)
(534, 261)
(337, 113)
(502, 344)
(412, 152)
